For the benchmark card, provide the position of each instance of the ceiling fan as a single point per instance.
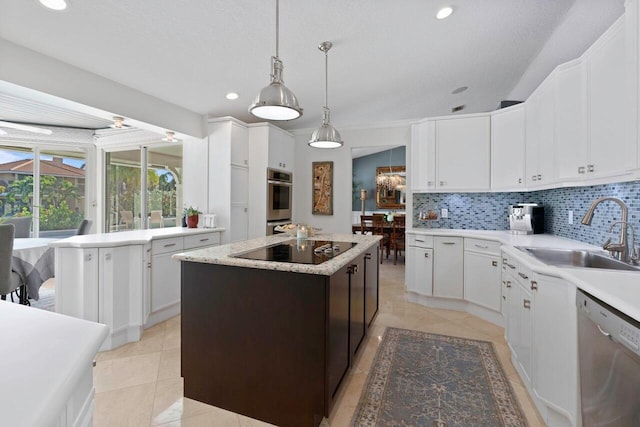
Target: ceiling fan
(23, 127)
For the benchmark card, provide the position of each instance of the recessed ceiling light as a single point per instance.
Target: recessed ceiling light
(460, 90)
(444, 12)
(171, 137)
(232, 95)
(54, 4)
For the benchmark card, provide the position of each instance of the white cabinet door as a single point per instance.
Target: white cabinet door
(77, 269)
(423, 156)
(448, 267)
(463, 153)
(524, 332)
(571, 145)
(420, 270)
(281, 150)
(165, 281)
(539, 122)
(240, 223)
(612, 148)
(555, 346)
(482, 275)
(239, 135)
(507, 148)
(239, 185)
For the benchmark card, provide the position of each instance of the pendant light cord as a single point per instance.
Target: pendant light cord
(277, 28)
(326, 79)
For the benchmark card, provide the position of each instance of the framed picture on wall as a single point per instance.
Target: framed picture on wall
(322, 188)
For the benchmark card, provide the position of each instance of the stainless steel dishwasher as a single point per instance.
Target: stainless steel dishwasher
(609, 358)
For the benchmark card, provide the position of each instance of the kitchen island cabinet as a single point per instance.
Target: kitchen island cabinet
(125, 280)
(273, 340)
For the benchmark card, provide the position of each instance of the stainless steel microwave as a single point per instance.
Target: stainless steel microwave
(279, 195)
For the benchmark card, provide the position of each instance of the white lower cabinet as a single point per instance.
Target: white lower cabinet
(482, 273)
(420, 270)
(163, 301)
(540, 328)
(127, 287)
(555, 369)
(447, 267)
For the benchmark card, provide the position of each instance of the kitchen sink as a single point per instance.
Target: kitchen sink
(576, 258)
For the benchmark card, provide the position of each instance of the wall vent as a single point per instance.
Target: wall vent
(458, 108)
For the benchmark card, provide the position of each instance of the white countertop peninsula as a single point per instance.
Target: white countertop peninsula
(47, 375)
(223, 255)
(132, 237)
(619, 289)
(126, 280)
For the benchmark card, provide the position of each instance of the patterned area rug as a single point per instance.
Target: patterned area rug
(421, 379)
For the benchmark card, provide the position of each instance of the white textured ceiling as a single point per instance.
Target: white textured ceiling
(391, 60)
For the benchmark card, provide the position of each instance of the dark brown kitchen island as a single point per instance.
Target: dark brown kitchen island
(273, 340)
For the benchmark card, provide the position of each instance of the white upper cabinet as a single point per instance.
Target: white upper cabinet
(281, 151)
(612, 146)
(423, 156)
(507, 148)
(463, 153)
(571, 143)
(451, 154)
(240, 146)
(539, 119)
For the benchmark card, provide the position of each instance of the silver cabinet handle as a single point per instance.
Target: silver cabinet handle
(508, 283)
(519, 180)
(534, 178)
(426, 254)
(168, 245)
(511, 266)
(87, 257)
(107, 257)
(480, 246)
(367, 256)
(494, 263)
(590, 168)
(418, 240)
(441, 183)
(526, 304)
(204, 240)
(448, 243)
(524, 276)
(534, 285)
(504, 260)
(429, 183)
(539, 177)
(581, 169)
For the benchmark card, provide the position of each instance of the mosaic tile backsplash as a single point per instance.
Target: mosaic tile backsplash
(488, 211)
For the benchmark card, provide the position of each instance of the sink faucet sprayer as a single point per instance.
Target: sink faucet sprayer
(621, 248)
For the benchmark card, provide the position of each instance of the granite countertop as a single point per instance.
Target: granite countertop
(132, 237)
(619, 289)
(223, 254)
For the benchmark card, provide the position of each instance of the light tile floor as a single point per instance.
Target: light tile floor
(139, 384)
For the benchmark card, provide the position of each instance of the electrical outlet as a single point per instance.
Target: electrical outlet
(444, 213)
(570, 217)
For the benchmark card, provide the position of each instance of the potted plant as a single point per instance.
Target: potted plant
(191, 214)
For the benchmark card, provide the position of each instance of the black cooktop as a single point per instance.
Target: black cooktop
(299, 251)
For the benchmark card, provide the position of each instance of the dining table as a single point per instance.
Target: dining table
(34, 260)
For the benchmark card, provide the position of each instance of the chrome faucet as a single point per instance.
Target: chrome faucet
(633, 255)
(620, 249)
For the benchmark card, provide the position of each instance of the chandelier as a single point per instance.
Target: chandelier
(391, 180)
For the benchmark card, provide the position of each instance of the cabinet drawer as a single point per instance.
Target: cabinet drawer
(161, 246)
(420, 240)
(201, 240)
(484, 246)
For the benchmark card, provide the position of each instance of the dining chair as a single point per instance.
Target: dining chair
(84, 227)
(22, 225)
(366, 224)
(126, 218)
(378, 224)
(398, 237)
(156, 219)
(9, 279)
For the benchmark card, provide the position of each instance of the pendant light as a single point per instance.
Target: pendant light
(276, 101)
(326, 136)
